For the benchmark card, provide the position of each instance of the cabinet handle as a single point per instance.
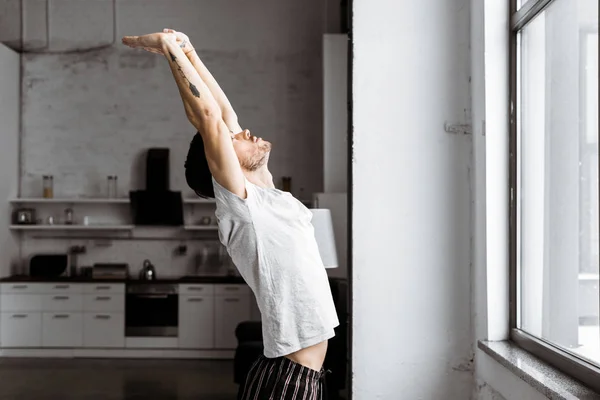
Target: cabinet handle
(232, 300)
(61, 287)
(19, 315)
(232, 288)
(61, 316)
(195, 288)
(103, 298)
(102, 316)
(102, 287)
(196, 299)
(61, 297)
(19, 287)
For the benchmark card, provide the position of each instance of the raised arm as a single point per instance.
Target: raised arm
(201, 109)
(229, 116)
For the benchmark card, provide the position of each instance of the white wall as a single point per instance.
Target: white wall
(95, 111)
(89, 114)
(411, 250)
(9, 143)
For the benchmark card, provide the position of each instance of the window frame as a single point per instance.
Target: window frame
(570, 364)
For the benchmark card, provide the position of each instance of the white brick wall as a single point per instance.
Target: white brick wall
(90, 114)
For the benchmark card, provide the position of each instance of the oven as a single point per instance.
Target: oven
(151, 310)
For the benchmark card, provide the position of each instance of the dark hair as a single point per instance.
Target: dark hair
(197, 173)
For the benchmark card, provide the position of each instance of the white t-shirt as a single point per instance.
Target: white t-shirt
(271, 241)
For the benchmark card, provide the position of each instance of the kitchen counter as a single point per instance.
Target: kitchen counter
(82, 279)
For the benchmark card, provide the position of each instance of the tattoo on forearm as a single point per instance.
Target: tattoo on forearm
(193, 88)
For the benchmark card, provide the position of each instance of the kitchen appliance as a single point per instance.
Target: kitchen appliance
(118, 271)
(24, 216)
(156, 208)
(48, 265)
(151, 310)
(148, 272)
(157, 170)
(157, 205)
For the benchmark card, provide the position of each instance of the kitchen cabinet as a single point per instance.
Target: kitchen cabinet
(93, 303)
(62, 302)
(92, 315)
(65, 315)
(196, 322)
(104, 329)
(20, 302)
(104, 316)
(62, 329)
(230, 311)
(21, 329)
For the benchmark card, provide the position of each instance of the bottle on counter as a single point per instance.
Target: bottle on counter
(69, 216)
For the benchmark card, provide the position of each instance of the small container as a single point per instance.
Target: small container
(68, 216)
(50, 220)
(48, 186)
(111, 186)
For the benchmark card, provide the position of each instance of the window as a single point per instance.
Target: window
(554, 183)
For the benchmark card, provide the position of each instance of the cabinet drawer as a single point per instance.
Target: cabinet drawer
(104, 302)
(62, 330)
(60, 288)
(196, 322)
(196, 289)
(229, 312)
(20, 302)
(111, 288)
(21, 287)
(62, 302)
(226, 290)
(104, 330)
(21, 329)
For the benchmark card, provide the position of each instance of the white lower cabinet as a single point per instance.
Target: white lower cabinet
(21, 329)
(93, 315)
(230, 310)
(62, 329)
(196, 322)
(104, 330)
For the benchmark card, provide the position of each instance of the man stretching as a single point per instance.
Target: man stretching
(267, 232)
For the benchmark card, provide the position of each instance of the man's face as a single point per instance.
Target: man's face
(252, 151)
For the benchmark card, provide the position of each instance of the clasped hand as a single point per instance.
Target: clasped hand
(153, 42)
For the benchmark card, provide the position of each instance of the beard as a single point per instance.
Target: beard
(258, 159)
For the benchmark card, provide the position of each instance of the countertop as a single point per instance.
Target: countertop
(83, 279)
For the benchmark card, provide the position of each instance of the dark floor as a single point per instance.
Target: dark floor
(69, 379)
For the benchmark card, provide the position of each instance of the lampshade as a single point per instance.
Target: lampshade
(323, 225)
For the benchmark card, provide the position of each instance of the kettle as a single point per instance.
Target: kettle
(148, 272)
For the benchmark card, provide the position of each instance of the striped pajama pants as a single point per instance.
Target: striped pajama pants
(282, 379)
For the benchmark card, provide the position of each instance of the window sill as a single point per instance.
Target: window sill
(545, 379)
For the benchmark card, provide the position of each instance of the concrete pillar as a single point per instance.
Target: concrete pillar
(411, 201)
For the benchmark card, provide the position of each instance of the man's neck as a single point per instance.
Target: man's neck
(261, 177)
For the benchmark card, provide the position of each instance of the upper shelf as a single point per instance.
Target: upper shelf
(83, 200)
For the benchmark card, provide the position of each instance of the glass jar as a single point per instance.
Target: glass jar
(111, 186)
(48, 186)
